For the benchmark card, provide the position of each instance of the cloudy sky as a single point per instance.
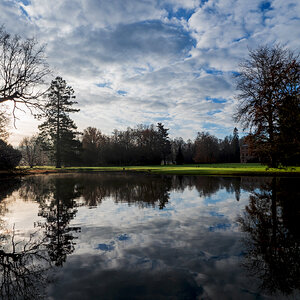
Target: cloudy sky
(149, 61)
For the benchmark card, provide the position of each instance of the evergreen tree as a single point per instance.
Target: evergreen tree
(59, 131)
(235, 146)
(164, 142)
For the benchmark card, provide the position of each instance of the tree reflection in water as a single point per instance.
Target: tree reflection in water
(58, 212)
(23, 266)
(143, 191)
(272, 223)
(23, 263)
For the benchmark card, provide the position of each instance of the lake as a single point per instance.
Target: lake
(137, 236)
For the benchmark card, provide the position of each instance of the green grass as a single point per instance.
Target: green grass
(195, 169)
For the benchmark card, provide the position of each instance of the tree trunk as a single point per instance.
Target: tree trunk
(58, 154)
(273, 160)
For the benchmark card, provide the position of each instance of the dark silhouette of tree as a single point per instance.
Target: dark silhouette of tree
(59, 131)
(9, 157)
(57, 205)
(226, 151)
(289, 128)
(188, 152)
(143, 191)
(23, 263)
(23, 267)
(58, 212)
(271, 221)
(175, 144)
(179, 156)
(206, 148)
(93, 143)
(163, 142)
(235, 146)
(265, 82)
(22, 70)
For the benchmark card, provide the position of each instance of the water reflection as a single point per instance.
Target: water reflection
(58, 210)
(23, 263)
(144, 191)
(272, 223)
(151, 236)
(141, 190)
(23, 266)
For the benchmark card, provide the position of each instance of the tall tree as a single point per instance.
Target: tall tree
(22, 69)
(235, 146)
(266, 80)
(163, 142)
(58, 129)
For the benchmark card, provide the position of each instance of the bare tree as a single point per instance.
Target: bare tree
(23, 267)
(22, 70)
(266, 80)
(31, 149)
(92, 143)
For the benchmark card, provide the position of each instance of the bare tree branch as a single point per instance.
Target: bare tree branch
(23, 68)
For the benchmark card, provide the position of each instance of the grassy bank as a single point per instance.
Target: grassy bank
(196, 169)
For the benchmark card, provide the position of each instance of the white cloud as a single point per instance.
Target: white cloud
(168, 58)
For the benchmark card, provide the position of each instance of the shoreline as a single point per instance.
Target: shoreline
(204, 170)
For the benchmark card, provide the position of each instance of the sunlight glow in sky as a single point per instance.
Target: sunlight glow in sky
(149, 61)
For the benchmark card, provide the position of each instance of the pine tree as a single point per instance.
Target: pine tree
(59, 131)
(236, 146)
(164, 142)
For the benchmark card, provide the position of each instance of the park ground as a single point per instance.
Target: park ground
(233, 169)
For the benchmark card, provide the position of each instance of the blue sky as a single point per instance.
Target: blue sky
(138, 61)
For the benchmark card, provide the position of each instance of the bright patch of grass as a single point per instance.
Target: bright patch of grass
(195, 169)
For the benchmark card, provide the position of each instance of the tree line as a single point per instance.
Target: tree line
(59, 143)
(268, 85)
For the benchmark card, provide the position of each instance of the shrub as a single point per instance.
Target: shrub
(9, 157)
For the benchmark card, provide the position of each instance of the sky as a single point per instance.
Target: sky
(147, 61)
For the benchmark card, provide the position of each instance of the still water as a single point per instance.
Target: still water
(127, 236)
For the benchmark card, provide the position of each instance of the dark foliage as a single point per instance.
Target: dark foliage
(179, 156)
(58, 132)
(9, 157)
(269, 103)
(149, 145)
(271, 221)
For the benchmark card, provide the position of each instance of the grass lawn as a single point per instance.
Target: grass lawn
(195, 169)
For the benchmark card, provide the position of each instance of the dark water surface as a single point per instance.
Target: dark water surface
(124, 236)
